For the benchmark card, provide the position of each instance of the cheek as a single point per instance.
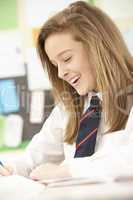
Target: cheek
(90, 76)
(89, 71)
(92, 71)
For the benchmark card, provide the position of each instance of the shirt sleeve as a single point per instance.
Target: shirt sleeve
(113, 161)
(46, 146)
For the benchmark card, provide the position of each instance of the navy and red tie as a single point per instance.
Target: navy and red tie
(89, 123)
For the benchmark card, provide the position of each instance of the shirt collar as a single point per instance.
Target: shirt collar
(88, 99)
(90, 94)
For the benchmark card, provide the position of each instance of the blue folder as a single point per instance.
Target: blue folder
(9, 99)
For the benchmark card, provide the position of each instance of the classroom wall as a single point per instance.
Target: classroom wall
(8, 14)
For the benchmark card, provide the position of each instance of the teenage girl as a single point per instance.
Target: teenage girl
(85, 56)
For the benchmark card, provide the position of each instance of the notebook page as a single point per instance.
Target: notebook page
(61, 182)
(18, 187)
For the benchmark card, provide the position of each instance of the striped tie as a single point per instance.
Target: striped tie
(86, 139)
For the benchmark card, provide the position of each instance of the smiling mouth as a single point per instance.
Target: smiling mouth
(75, 81)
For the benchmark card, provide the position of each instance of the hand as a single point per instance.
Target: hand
(49, 171)
(6, 170)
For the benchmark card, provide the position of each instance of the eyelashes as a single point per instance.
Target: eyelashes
(67, 59)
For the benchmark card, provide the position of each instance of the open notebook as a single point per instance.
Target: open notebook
(62, 182)
(19, 188)
(26, 184)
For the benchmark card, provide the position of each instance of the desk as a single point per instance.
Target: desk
(17, 187)
(108, 191)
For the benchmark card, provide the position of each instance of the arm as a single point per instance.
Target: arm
(46, 146)
(113, 158)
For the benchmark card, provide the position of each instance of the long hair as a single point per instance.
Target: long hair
(106, 47)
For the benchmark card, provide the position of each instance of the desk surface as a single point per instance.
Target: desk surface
(17, 187)
(108, 191)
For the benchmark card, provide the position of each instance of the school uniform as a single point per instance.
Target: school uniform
(113, 151)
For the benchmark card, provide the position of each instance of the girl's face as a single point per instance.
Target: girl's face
(70, 57)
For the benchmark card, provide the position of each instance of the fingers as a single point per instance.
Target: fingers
(48, 171)
(5, 171)
(37, 174)
(9, 168)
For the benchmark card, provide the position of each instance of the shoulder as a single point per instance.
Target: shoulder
(58, 118)
(59, 111)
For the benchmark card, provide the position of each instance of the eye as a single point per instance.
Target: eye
(67, 59)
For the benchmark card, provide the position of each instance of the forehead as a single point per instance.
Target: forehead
(59, 42)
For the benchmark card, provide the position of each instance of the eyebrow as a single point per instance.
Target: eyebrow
(63, 52)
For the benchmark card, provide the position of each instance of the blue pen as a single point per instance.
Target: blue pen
(1, 164)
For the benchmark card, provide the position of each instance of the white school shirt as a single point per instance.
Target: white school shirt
(113, 151)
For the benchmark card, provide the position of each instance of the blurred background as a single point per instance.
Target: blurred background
(25, 92)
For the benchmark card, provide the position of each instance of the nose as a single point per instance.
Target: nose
(62, 73)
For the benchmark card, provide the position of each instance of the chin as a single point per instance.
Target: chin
(82, 92)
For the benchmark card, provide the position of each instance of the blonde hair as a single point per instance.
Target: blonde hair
(114, 64)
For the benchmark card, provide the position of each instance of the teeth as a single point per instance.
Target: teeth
(74, 79)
